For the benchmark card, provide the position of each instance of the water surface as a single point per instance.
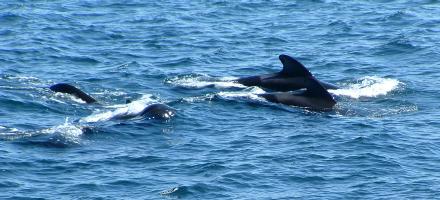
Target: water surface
(380, 141)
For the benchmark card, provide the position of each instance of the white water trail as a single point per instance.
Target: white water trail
(250, 93)
(205, 81)
(69, 132)
(121, 110)
(369, 86)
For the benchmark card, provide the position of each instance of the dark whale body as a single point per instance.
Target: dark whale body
(294, 76)
(158, 111)
(291, 77)
(314, 97)
(69, 89)
(154, 111)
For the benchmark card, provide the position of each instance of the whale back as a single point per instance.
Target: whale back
(72, 90)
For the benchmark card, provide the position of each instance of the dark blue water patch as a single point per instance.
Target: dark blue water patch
(400, 18)
(7, 19)
(24, 198)
(398, 45)
(8, 184)
(217, 147)
(49, 141)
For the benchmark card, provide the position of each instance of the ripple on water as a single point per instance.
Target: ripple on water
(65, 135)
(195, 190)
(379, 142)
(397, 45)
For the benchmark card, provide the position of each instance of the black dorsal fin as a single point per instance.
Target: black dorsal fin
(69, 89)
(292, 67)
(315, 89)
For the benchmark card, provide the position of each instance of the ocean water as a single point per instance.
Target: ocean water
(381, 141)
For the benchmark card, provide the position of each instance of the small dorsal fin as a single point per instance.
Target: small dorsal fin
(69, 89)
(292, 67)
(315, 89)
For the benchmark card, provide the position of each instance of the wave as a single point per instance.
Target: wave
(369, 86)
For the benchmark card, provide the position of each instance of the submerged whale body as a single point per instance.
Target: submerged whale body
(153, 111)
(291, 77)
(294, 76)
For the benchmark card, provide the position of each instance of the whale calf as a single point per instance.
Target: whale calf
(291, 77)
(155, 111)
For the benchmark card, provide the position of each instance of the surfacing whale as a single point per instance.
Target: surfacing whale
(294, 76)
(72, 90)
(154, 111)
(314, 97)
(291, 77)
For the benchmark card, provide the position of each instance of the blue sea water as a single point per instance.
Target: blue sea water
(381, 141)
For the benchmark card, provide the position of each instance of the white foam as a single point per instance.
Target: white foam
(250, 93)
(8, 131)
(110, 93)
(68, 131)
(12, 133)
(369, 86)
(121, 110)
(205, 81)
(22, 78)
(68, 96)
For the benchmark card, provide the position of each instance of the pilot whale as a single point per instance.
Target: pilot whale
(291, 77)
(294, 76)
(155, 111)
(314, 97)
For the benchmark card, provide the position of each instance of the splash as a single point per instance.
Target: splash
(369, 86)
(67, 96)
(121, 110)
(249, 93)
(67, 132)
(204, 81)
(11, 133)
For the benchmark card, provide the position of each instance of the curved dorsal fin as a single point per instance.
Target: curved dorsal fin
(292, 67)
(315, 89)
(69, 89)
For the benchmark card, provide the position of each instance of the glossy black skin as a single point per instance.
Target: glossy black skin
(300, 100)
(158, 111)
(69, 89)
(293, 76)
(279, 82)
(154, 111)
(315, 97)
